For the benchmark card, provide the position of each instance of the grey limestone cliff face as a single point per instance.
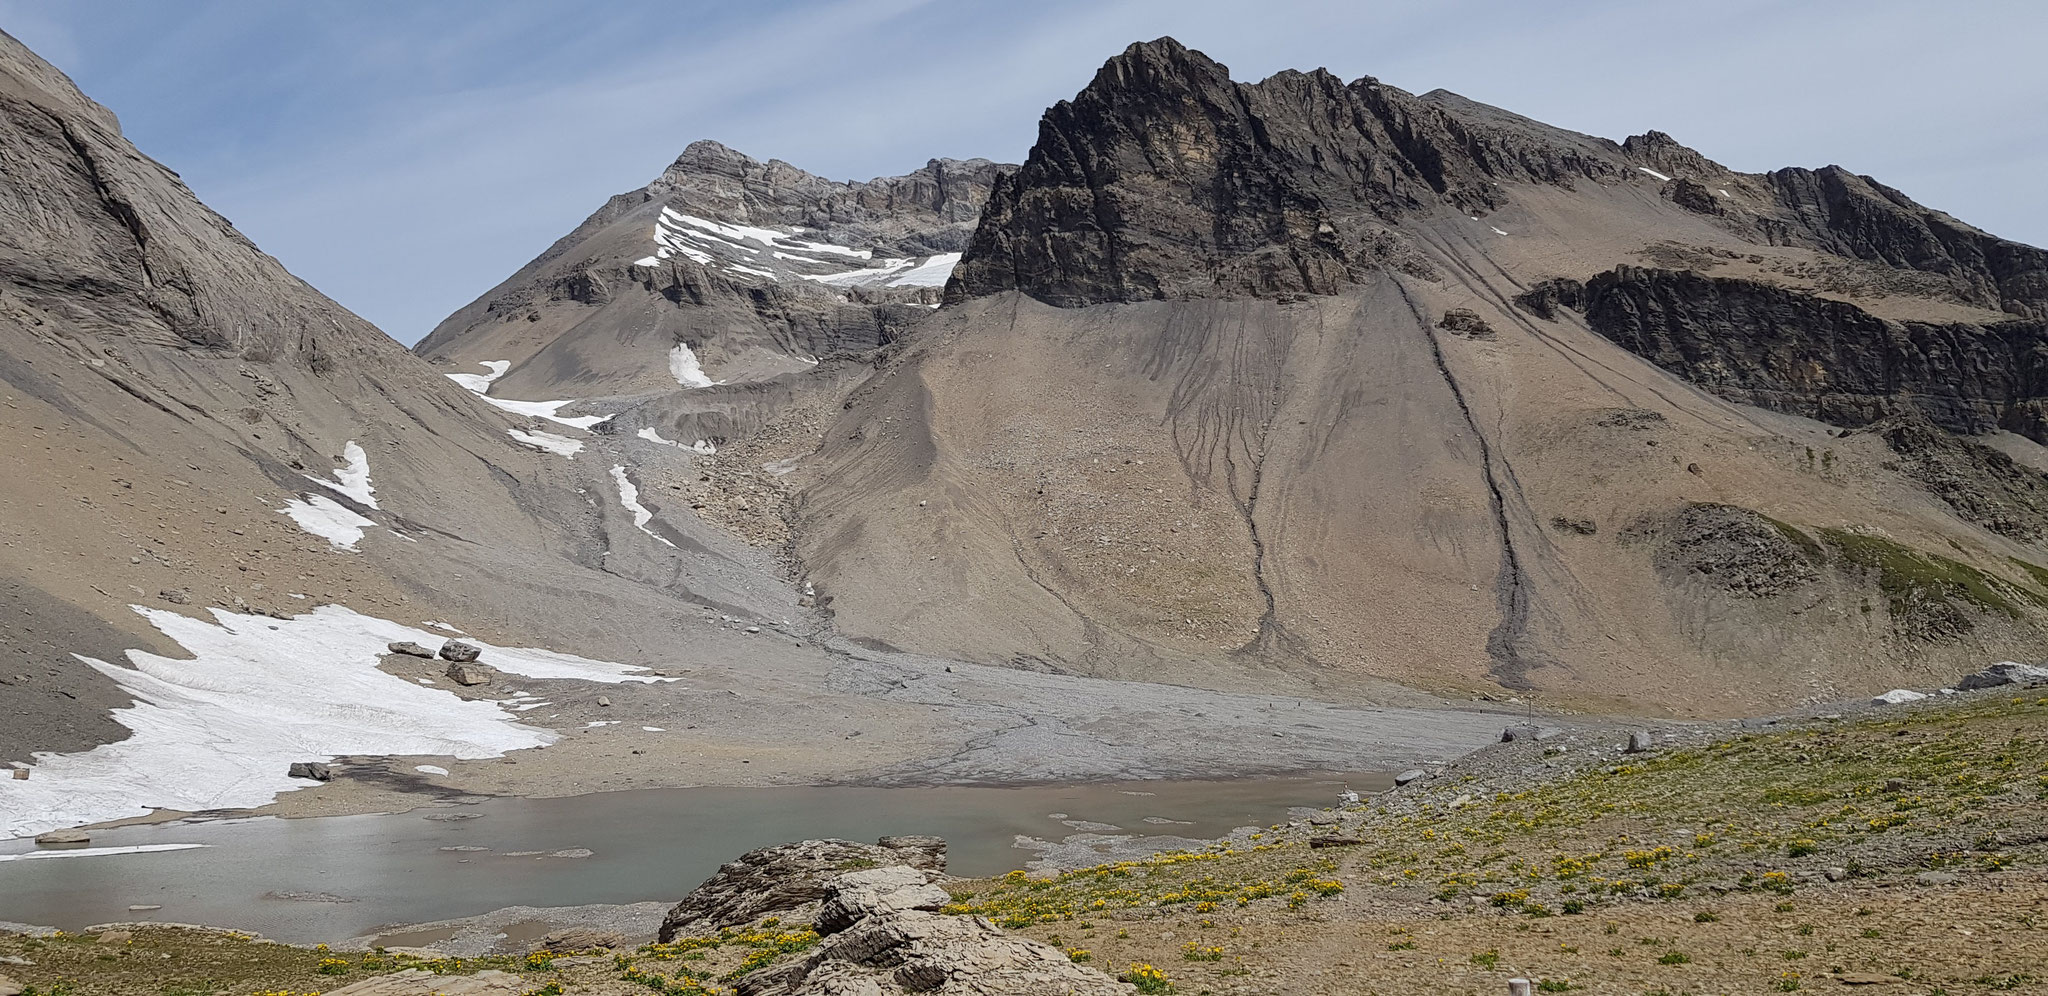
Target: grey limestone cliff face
(1813, 356)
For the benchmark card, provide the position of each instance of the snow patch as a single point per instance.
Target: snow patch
(932, 272)
(737, 268)
(548, 441)
(1654, 173)
(653, 729)
(326, 518)
(481, 383)
(546, 410)
(217, 731)
(683, 366)
(1496, 231)
(629, 496)
(1898, 696)
(431, 769)
(99, 852)
(700, 447)
(354, 479)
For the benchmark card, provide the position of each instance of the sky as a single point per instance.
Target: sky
(404, 157)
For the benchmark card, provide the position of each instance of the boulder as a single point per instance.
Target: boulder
(581, 939)
(310, 769)
(21, 774)
(854, 896)
(1526, 731)
(175, 596)
(1641, 742)
(790, 881)
(64, 837)
(914, 951)
(2003, 673)
(115, 936)
(9, 987)
(1897, 696)
(459, 652)
(1411, 775)
(468, 675)
(410, 649)
(920, 851)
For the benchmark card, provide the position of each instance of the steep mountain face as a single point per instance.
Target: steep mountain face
(723, 269)
(1167, 179)
(1814, 356)
(190, 427)
(1233, 380)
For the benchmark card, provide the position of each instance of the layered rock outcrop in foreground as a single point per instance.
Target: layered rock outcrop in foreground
(876, 907)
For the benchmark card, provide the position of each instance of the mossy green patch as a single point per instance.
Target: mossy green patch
(1927, 590)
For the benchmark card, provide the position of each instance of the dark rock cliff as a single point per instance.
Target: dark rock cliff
(1839, 212)
(1812, 356)
(1166, 179)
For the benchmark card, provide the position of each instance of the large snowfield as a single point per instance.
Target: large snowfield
(219, 731)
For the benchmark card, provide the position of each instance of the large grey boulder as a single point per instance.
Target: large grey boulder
(459, 652)
(790, 881)
(310, 769)
(410, 649)
(2003, 673)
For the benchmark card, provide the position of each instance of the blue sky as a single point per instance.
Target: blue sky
(405, 156)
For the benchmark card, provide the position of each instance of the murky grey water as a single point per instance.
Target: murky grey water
(338, 877)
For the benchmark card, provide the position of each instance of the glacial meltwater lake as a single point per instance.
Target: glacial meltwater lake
(331, 878)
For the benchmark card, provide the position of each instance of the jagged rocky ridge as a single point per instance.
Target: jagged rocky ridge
(1167, 179)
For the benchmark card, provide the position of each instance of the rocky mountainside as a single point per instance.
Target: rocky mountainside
(1320, 377)
(724, 269)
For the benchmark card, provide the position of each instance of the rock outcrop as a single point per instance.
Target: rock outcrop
(1814, 356)
(877, 907)
(789, 881)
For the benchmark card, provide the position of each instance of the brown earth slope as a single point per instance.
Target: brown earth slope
(1234, 378)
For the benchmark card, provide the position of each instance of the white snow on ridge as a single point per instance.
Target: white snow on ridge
(431, 769)
(683, 366)
(219, 730)
(543, 440)
(328, 519)
(354, 479)
(933, 272)
(629, 496)
(1654, 173)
